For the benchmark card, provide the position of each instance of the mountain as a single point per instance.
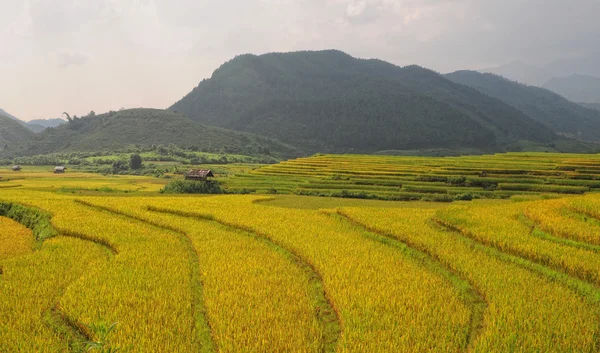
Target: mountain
(330, 101)
(546, 107)
(11, 132)
(5, 114)
(37, 125)
(117, 130)
(36, 128)
(577, 88)
(47, 122)
(591, 105)
(521, 72)
(587, 65)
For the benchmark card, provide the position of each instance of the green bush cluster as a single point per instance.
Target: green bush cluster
(192, 187)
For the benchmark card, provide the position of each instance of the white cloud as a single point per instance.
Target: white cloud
(64, 59)
(152, 52)
(356, 8)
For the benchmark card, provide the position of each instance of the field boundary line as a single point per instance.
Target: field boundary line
(43, 228)
(61, 323)
(201, 324)
(580, 286)
(39, 221)
(537, 231)
(583, 213)
(583, 288)
(585, 277)
(326, 312)
(263, 199)
(10, 186)
(467, 291)
(112, 249)
(74, 333)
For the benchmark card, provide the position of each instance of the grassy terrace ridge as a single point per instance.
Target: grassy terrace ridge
(425, 178)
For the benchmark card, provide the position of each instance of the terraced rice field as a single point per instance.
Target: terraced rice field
(288, 273)
(432, 179)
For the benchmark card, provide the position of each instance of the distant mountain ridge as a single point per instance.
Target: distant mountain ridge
(577, 88)
(36, 125)
(47, 122)
(520, 72)
(122, 129)
(577, 79)
(330, 101)
(538, 75)
(544, 106)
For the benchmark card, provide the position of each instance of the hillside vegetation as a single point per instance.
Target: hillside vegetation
(331, 101)
(144, 127)
(4, 113)
(12, 132)
(544, 106)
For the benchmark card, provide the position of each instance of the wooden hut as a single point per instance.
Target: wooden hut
(16, 168)
(199, 174)
(60, 170)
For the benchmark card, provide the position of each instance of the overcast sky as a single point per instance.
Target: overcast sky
(82, 55)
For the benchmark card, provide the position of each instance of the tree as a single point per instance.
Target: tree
(135, 162)
(68, 117)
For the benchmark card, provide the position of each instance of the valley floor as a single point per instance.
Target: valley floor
(88, 258)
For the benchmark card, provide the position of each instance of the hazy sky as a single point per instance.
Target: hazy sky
(82, 55)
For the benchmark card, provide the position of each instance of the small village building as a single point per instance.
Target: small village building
(59, 170)
(199, 174)
(16, 168)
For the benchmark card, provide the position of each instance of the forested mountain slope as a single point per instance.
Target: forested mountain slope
(37, 125)
(12, 132)
(544, 106)
(331, 101)
(115, 130)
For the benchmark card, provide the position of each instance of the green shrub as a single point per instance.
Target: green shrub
(242, 191)
(464, 197)
(192, 187)
(135, 161)
(457, 181)
(438, 198)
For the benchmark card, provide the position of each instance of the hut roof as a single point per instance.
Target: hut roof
(199, 173)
